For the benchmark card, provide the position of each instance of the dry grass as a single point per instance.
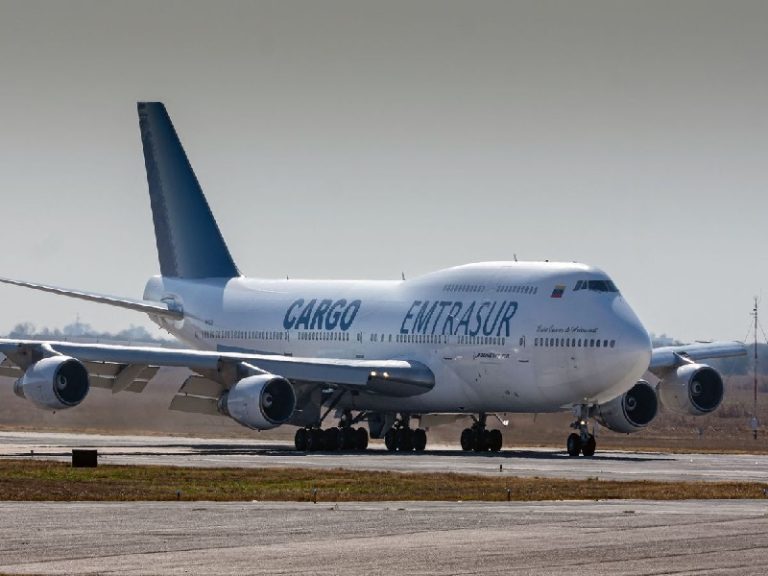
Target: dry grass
(22, 480)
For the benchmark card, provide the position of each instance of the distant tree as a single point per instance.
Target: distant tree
(22, 330)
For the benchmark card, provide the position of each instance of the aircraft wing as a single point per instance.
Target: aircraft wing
(130, 368)
(668, 357)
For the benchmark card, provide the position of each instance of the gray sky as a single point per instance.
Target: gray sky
(358, 139)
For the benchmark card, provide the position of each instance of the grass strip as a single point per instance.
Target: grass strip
(24, 480)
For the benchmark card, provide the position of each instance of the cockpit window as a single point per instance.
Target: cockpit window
(596, 286)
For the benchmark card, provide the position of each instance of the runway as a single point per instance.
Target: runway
(623, 538)
(627, 538)
(549, 463)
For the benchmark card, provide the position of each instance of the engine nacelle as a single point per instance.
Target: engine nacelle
(54, 383)
(260, 402)
(630, 412)
(693, 389)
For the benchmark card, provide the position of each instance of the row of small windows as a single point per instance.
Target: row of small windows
(596, 286)
(492, 340)
(324, 336)
(573, 343)
(464, 288)
(244, 334)
(436, 339)
(421, 338)
(515, 289)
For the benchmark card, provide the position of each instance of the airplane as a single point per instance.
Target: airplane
(482, 339)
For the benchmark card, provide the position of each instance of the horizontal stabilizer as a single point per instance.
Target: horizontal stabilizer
(155, 308)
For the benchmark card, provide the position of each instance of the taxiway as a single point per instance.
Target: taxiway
(176, 451)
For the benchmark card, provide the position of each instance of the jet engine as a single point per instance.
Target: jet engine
(693, 389)
(630, 412)
(260, 402)
(54, 383)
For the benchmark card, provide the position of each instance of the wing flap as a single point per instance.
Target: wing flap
(194, 404)
(201, 386)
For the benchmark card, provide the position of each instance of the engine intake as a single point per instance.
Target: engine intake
(694, 389)
(54, 383)
(630, 412)
(260, 402)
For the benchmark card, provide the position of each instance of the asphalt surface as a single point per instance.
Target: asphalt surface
(254, 453)
(580, 538)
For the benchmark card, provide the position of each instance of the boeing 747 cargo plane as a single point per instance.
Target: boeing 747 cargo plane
(481, 339)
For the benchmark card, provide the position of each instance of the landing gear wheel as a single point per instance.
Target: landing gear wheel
(479, 438)
(482, 440)
(315, 440)
(390, 440)
(588, 448)
(495, 440)
(300, 439)
(419, 440)
(346, 439)
(361, 439)
(405, 439)
(331, 439)
(466, 440)
(574, 444)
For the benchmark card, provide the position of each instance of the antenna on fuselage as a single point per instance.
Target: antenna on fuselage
(402, 275)
(515, 257)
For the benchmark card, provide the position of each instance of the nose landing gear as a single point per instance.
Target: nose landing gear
(582, 441)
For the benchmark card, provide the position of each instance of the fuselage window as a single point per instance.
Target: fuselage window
(598, 343)
(613, 343)
(591, 343)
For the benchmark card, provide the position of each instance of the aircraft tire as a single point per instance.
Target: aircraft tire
(405, 439)
(573, 445)
(419, 440)
(347, 439)
(481, 440)
(588, 449)
(331, 438)
(315, 440)
(361, 439)
(390, 440)
(300, 439)
(466, 439)
(495, 440)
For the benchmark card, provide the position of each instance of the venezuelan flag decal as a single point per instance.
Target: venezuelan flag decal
(558, 291)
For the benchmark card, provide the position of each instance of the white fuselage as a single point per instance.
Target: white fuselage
(498, 336)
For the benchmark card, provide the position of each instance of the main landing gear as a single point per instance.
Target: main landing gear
(582, 441)
(342, 437)
(403, 438)
(479, 438)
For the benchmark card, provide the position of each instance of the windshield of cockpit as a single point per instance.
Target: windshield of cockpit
(596, 286)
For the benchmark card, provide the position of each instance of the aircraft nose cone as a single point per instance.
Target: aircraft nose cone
(634, 340)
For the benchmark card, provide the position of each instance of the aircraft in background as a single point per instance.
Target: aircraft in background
(480, 339)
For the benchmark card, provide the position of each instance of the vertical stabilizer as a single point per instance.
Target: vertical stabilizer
(189, 243)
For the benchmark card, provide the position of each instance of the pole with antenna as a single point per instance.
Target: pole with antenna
(754, 422)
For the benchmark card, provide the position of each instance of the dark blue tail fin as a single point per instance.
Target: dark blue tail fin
(189, 243)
